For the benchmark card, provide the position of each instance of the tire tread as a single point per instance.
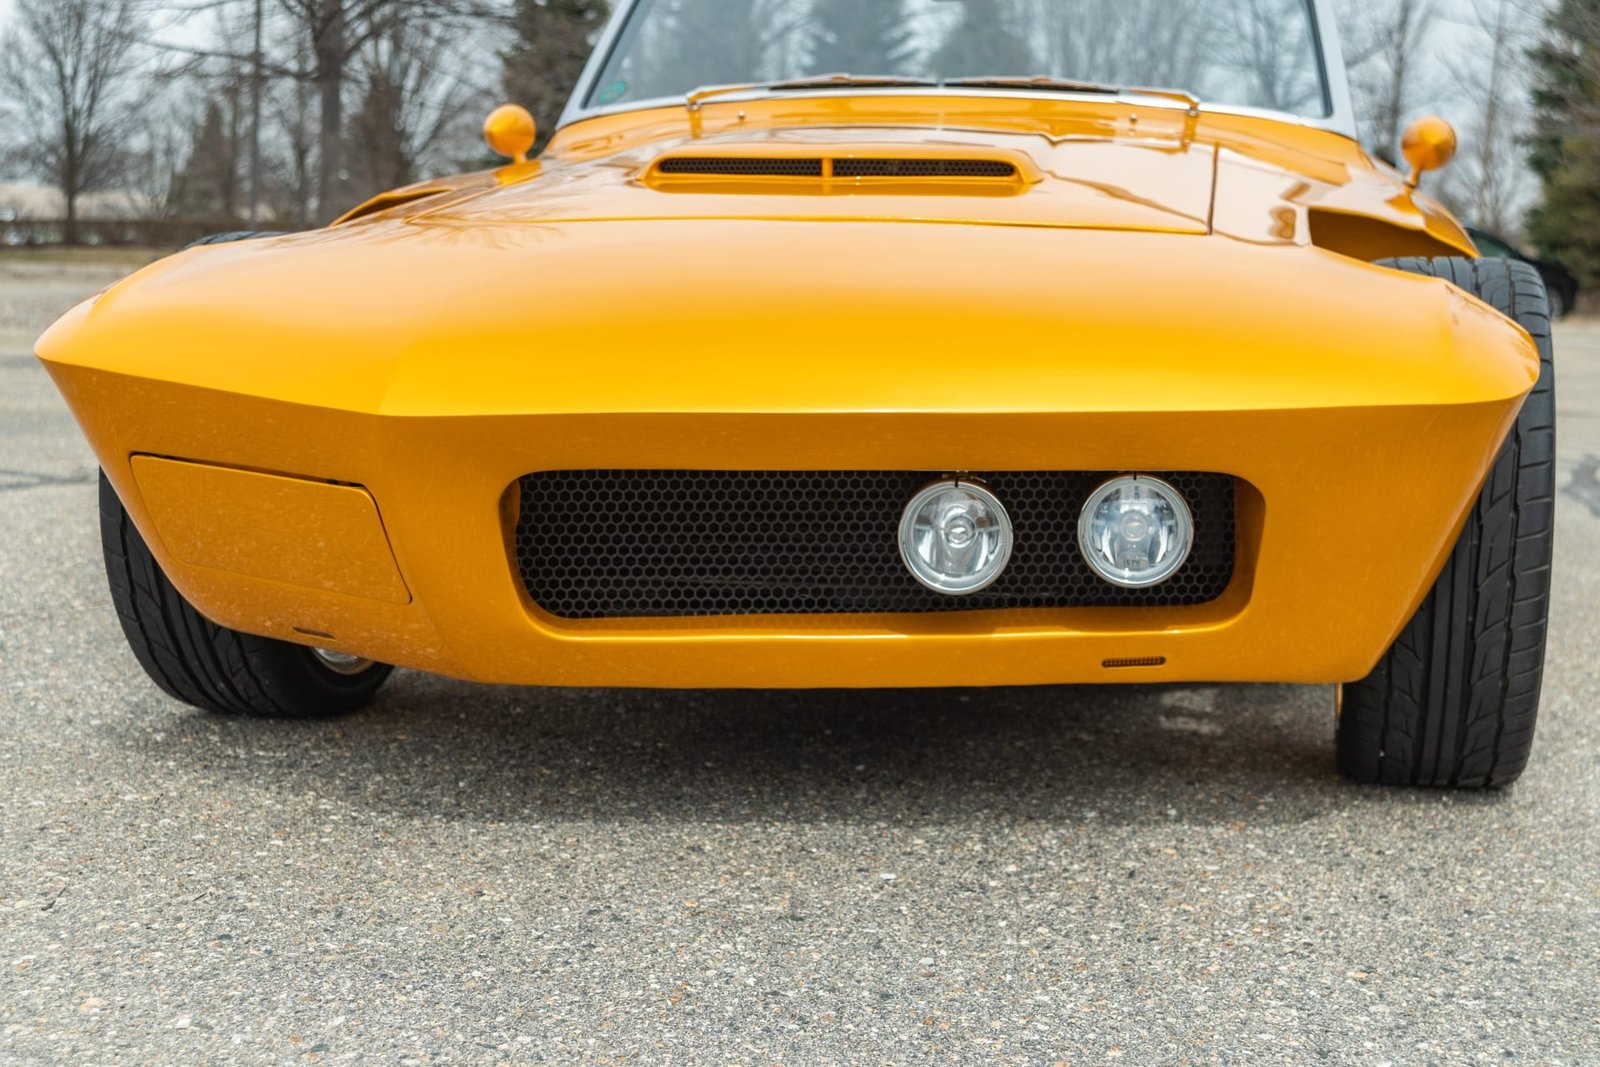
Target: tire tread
(1455, 701)
(198, 662)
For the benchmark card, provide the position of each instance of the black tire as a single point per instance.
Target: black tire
(230, 238)
(1454, 702)
(213, 668)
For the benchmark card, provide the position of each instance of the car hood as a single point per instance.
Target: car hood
(737, 315)
(1155, 183)
(1102, 167)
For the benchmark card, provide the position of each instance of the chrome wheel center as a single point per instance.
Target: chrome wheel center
(341, 662)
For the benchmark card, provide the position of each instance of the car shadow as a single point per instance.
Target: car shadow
(436, 748)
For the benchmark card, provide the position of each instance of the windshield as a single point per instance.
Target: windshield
(1249, 53)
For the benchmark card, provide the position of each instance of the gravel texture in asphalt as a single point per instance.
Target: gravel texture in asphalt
(1030, 876)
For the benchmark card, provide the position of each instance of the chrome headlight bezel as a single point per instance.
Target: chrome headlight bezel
(1182, 533)
(970, 504)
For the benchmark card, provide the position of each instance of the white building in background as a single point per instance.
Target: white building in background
(21, 201)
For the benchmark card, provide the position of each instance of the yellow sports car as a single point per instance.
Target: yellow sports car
(1081, 345)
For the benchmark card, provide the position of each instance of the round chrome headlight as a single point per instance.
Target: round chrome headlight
(1136, 531)
(955, 537)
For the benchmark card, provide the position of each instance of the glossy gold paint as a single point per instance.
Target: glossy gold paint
(285, 530)
(510, 132)
(1428, 144)
(1151, 293)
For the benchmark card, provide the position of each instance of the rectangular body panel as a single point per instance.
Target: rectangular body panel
(287, 530)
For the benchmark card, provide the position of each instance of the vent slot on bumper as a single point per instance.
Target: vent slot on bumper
(603, 544)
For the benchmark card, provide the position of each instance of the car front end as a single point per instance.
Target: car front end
(658, 469)
(990, 362)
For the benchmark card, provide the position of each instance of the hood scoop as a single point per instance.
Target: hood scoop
(901, 170)
(838, 174)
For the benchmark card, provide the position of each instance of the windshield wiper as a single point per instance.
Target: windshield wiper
(1044, 83)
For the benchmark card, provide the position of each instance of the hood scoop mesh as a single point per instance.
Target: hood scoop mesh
(923, 168)
(728, 172)
(740, 167)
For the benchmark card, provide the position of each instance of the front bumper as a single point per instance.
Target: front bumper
(1343, 519)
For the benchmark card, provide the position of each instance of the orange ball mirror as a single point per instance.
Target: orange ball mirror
(511, 132)
(1428, 144)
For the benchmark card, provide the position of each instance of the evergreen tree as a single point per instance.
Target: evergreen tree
(1566, 142)
(553, 39)
(379, 155)
(862, 38)
(984, 42)
(207, 184)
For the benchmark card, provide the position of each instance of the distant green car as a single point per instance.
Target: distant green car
(1559, 282)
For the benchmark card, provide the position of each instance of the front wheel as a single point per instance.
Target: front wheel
(209, 666)
(1454, 701)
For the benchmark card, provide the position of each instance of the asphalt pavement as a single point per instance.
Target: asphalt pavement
(1031, 876)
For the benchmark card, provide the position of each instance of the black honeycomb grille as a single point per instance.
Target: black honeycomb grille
(755, 167)
(923, 168)
(604, 544)
(762, 167)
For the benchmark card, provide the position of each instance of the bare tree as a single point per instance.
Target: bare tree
(413, 93)
(549, 44)
(211, 181)
(989, 38)
(335, 32)
(150, 173)
(873, 38)
(692, 43)
(67, 69)
(1268, 44)
(1128, 42)
(1387, 61)
(292, 168)
(1488, 182)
